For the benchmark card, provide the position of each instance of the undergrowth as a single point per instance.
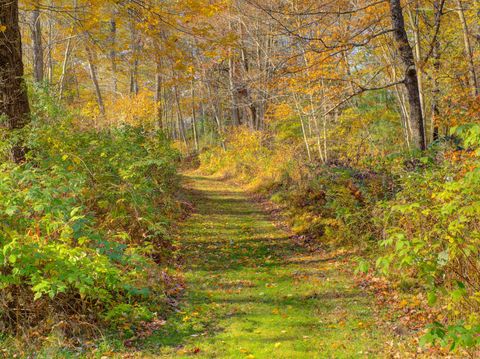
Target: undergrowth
(417, 213)
(84, 230)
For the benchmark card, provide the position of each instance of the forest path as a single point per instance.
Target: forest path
(251, 293)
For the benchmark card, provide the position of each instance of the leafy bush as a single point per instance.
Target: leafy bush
(432, 234)
(326, 202)
(84, 226)
(335, 203)
(423, 211)
(245, 153)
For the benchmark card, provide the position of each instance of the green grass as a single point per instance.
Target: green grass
(251, 293)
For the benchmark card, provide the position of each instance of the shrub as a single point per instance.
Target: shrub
(84, 225)
(432, 234)
(325, 202)
(422, 210)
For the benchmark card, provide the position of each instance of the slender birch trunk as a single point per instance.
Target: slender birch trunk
(94, 78)
(36, 27)
(468, 50)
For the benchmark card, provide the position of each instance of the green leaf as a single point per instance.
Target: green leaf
(10, 211)
(363, 267)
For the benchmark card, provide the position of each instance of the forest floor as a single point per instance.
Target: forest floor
(253, 293)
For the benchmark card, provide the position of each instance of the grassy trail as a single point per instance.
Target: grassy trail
(251, 293)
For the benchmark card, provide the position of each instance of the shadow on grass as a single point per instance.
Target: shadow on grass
(215, 255)
(177, 333)
(228, 253)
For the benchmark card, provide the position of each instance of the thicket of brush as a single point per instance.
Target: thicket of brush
(84, 228)
(422, 209)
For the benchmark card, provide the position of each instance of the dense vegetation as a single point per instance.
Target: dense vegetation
(414, 213)
(85, 227)
(360, 120)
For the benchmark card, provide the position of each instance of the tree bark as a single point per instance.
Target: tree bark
(134, 88)
(233, 92)
(435, 92)
(436, 73)
(411, 79)
(93, 75)
(50, 47)
(66, 57)
(14, 106)
(113, 54)
(181, 123)
(414, 22)
(36, 27)
(158, 95)
(468, 50)
(194, 117)
(304, 132)
(215, 108)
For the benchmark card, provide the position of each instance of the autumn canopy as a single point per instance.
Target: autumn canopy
(133, 134)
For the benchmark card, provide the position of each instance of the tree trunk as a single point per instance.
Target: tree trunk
(435, 93)
(304, 132)
(181, 123)
(414, 22)
(67, 54)
(411, 79)
(158, 95)
(468, 50)
(93, 76)
(436, 84)
(134, 88)
(113, 55)
(312, 111)
(194, 118)
(233, 88)
(36, 27)
(63, 76)
(216, 112)
(233, 92)
(50, 47)
(14, 105)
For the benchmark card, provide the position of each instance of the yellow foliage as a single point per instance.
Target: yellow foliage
(136, 110)
(249, 160)
(282, 110)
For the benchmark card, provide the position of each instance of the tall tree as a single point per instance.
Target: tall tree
(411, 78)
(93, 75)
(36, 27)
(468, 50)
(113, 54)
(14, 107)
